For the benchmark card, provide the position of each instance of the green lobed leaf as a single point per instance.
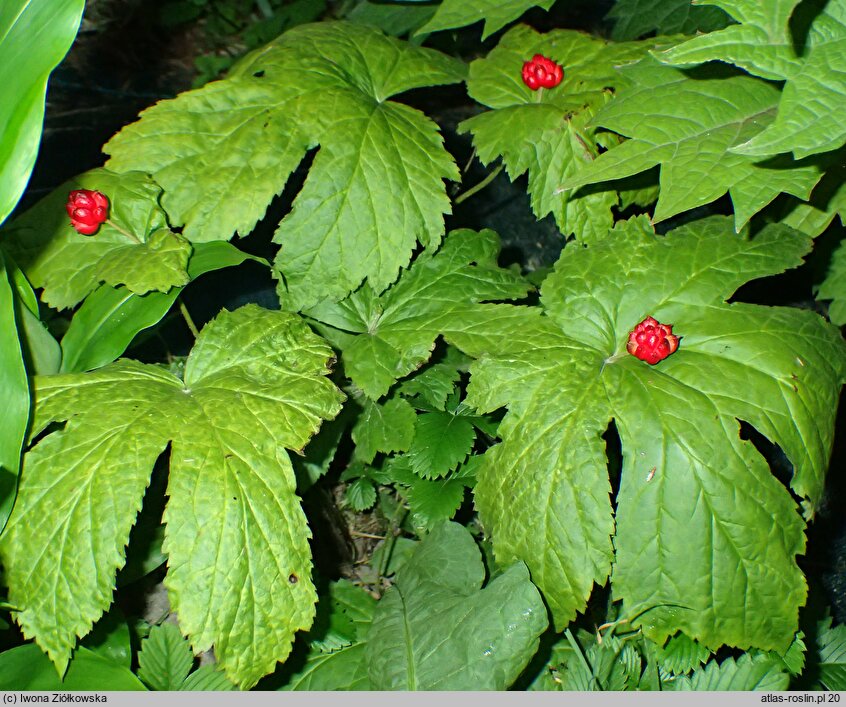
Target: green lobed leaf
(385, 337)
(50, 27)
(250, 369)
(761, 42)
(27, 668)
(438, 629)
(703, 529)
(827, 201)
(165, 658)
(138, 251)
(387, 427)
(441, 442)
(834, 286)
(375, 187)
(831, 646)
(761, 673)
(109, 318)
(496, 14)
(809, 119)
(545, 132)
(689, 126)
(637, 18)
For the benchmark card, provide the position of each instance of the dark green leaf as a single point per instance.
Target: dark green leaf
(437, 629)
(27, 668)
(637, 18)
(383, 428)
(441, 442)
(165, 658)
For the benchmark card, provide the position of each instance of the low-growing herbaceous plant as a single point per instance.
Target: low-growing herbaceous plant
(594, 475)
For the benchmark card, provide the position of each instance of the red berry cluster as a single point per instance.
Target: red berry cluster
(540, 72)
(652, 341)
(87, 210)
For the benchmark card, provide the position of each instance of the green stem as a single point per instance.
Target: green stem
(481, 185)
(186, 315)
(125, 233)
(391, 540)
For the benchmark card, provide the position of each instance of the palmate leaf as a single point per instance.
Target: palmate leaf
(69, 265)
(689, 126)
(495, 13)
(383, 338)
(636, 18)
(376, 185)
(810, 113)
(703, 530)
(236, 537)
(438, 629)
(828, 200)
(545, 132)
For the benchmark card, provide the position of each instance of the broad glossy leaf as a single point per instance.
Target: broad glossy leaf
(831, 646)
(545, 132)
(834, 286)
(27, 668)
(376, 184)
(810, 113)
(110, 638)
(165, 658)
(110, 318)
(689, 126)
(251, 369)
(761, 673)
(24, 25)
(138, 251)
(336, 658)
(438, 629)
(386, 337)
(495, 13)
(702, 529)
(636, 18)
(14, 413)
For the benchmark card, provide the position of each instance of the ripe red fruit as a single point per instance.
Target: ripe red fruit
(541, 72)
(652, 341)
(87, 210)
